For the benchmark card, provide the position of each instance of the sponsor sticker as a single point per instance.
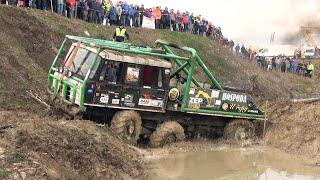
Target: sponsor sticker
(150, 102)
(174, 94)
(192, 91)
(253, 111)
(128, 98)
(215, 94)
(240, 98)
(195, 100)
(225, 106)
(104, 98)
(115, 101)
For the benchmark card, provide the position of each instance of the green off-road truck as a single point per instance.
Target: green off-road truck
(152, 93)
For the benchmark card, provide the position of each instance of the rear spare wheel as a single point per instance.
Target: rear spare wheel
(167, 133)
(127, 124)
(239, 130)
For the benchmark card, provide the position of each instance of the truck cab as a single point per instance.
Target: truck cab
(308, 52)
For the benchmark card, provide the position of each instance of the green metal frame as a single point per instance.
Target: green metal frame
(184, 64)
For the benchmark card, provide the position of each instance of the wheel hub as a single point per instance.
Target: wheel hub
(171, 138)
(129, 131)
(241, 134)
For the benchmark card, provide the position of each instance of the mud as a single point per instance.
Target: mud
(295, 128)
(47, 148)
(233, 163)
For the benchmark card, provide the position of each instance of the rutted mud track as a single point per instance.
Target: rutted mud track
(41, 147)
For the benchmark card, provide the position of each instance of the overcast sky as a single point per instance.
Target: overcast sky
(249, 21)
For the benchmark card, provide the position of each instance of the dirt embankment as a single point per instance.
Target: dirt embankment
(295, 128)
(47, 148)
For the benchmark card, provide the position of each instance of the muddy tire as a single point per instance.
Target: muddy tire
(127, 124)
(239, 130)
(167, 133)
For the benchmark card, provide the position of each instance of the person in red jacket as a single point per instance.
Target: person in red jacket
(157, 14)
(185, 21)
(70, 8)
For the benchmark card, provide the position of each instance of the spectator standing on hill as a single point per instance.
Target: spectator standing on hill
(273, 61)
(142, 12)
(60, 7)
(166, 18)
(131, 17)
(106, 6)
(184, 22)
(195, 28)
(310, 69)
(201, 30)
(137, 16)
(231, 45)
(278, 63)
(120, 34)
(269, 65)
(283, 65)
(96, 7)
(124, 14)
(157, 15)
(119, 12)
(237, 49)
(179, 21)
(293, 65)
(304, 69)
(190, 21)
(243, 52)
(70, 8)
(173, 20)
(149, 13)
(113, 16)
(209, 30)
(288, 65)
(90, 10)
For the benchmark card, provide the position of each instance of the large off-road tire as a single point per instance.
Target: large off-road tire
(127, 124)
(239, 130)
(167, 133)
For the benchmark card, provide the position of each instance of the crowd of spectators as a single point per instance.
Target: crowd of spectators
(122, 13)
(106, 12)
(281, 63)
(285, 64)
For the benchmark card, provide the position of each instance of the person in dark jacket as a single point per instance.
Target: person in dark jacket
(166, 18)
(131, 13)
(97, 8)
(142, 12)
(113, 16)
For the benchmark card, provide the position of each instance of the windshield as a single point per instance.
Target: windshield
(82, 62)
(309, 50)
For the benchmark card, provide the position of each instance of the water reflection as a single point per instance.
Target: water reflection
(259, 164)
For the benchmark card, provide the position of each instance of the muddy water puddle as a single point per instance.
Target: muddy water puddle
(226, 163)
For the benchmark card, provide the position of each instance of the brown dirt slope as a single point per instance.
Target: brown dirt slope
(45, 148)
(295, 128)
(29, 40)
